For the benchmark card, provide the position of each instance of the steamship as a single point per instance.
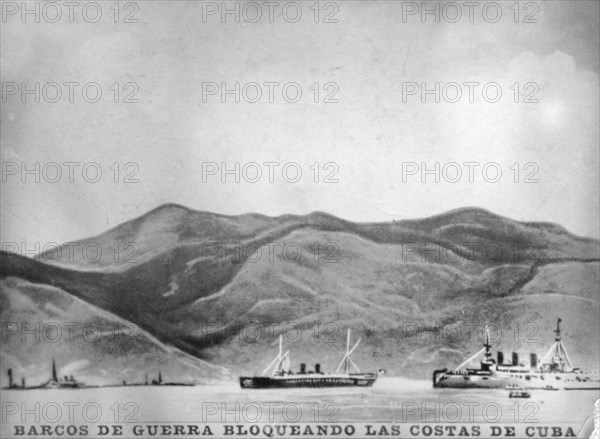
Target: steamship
(67, 382)
(282, 377)
(554, 372)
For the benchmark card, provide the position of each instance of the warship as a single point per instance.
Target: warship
(554, 372)
(282, 377)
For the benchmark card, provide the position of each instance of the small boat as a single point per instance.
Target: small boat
(517, 391)
(549, 387)
(283, 377)
(519, 394)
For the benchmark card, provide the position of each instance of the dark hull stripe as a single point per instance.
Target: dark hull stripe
(271, 383)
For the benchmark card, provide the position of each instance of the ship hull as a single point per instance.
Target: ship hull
(473, 383)
(499, 380)
(358, 380)
(442, 380)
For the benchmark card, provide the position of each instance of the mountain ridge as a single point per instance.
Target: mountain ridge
(466, 263)
(474, 211)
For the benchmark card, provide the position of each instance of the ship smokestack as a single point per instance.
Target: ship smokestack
(54, 376)
(317, 368)
(533, 360)
(515, 359)
(302, 367)
(500, 358)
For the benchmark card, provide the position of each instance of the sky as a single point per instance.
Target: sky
(377, 142)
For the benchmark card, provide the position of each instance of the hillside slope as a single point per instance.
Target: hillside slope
(41, 322)
(201, 280)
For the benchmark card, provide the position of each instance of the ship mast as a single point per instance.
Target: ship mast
(347, 361)
(487, 344)
(278, 360)
(557, 356)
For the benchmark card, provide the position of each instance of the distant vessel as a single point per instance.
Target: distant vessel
(13, 386)
(555, 371)
(67, 382)
(282, 376)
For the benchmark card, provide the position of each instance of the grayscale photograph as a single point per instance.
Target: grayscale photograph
(300, 219)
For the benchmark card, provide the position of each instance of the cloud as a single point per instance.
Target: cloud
(369, 133)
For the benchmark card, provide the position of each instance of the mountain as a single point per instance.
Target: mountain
(221, 288)
(41, 322)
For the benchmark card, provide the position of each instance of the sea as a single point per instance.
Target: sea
(390, 401)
